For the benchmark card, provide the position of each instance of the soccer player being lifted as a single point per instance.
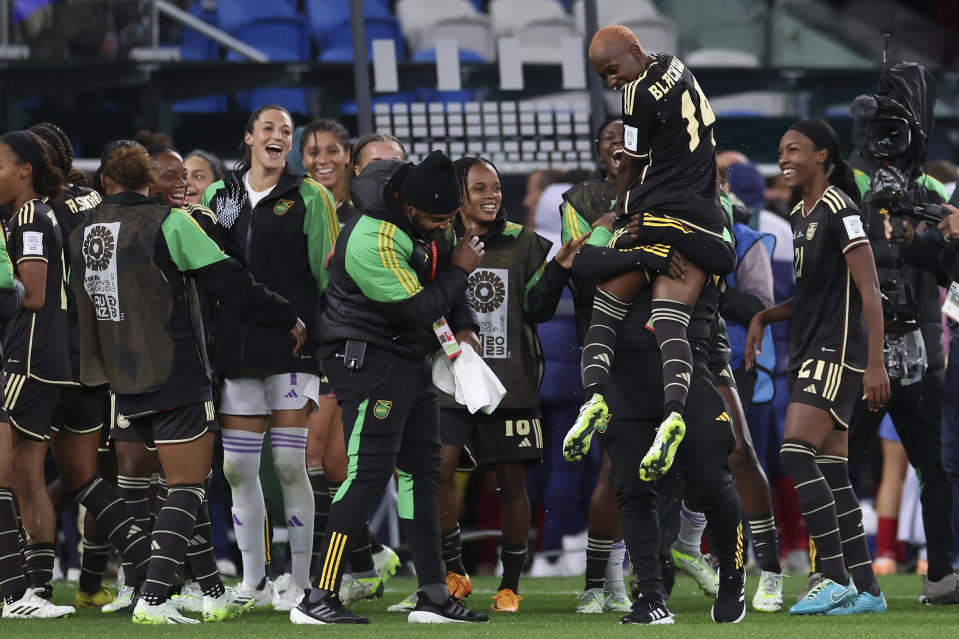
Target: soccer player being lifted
(667, 179)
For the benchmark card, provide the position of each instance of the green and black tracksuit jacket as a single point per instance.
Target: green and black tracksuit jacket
(388, 283)
(283, 242)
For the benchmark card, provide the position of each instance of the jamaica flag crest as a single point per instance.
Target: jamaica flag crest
(381, 409)
(282, 207)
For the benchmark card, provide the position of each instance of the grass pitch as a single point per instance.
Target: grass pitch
(546, 613)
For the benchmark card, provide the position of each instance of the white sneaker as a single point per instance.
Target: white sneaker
(227, 605)
(283, 582)
(288, 599)
(698, 567)
(123, 600)
(769, 595)
(190, 598)
(543, 567)
(160, 615)
(227, 568)
(591, 601)
(618, 601)
(385, 562)
(30, 606)
(262, 596)
(353, 590)
(406, 605)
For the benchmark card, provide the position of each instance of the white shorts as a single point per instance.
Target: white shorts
(254, 396)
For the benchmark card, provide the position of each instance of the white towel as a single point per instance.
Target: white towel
(468, 379)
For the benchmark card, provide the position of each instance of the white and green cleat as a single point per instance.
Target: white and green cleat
(618, 601)
(353, 589)
(661, 454)
(591, 602)
(769, 595)
(160, 615)
(407, 605)
(227, 605)
(699, 568)
(593, 417)
(385, 562)
(122, 601)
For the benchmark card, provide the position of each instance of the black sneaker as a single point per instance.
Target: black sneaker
(649, 610)
(730, 604)
(450, 611)
(322, 611)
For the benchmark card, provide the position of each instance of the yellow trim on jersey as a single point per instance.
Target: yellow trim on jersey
(385, 244)
(833, 201)
(664, 222)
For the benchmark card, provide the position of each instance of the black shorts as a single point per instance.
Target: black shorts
(81, 409)
(30, 405)
(831, 386)
(504, 436)
(713, 253)
(174, 426)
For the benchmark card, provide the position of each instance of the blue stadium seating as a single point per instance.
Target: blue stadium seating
(208, 104)
(294, 99)
(429, 55)
(196, 46)
(339, 38)
(326, 17)
(283, 39)
(233, 14)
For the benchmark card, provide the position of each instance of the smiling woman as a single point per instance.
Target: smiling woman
(169, 174)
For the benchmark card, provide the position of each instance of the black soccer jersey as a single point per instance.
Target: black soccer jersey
(669, 123)
(827, 321)
(36, 342)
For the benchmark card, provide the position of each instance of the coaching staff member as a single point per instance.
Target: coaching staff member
(394, 273)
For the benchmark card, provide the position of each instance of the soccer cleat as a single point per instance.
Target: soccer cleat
(730, 604)
(617, 601)
(825, 596)
(506, 601)
(699, 568)
(123, 602)
(660, 456)
(450, 611)
(353, 590)
(649, 611)
(592, 601)
(262, 595)
(944, 591)
(97, 599)
(406, 605)
(283, 583)
(769, 594)
(864, 604)
(322, 611)
(288, 599)
(229, 604)
(159, 615)
(44, 592)
(884, 566)
(593, 416)
(385, 563)
(32, 606)
(460, 586)
(189, 599)
(813, 581)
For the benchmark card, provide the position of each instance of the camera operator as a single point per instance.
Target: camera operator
(891, 131)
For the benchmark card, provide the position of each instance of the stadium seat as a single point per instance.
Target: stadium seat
(470, 32)
(283, 39)
(429, 55)
(655, 34)
(233, 14)
(208, 104)
(293, 98)
(196, 46)
(720, 57)
(418, 16)
(339, 43)
(326, 17)
(510, 17)
(615, 12)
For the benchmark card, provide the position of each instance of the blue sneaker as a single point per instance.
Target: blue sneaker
(864, 604)
(824, 597)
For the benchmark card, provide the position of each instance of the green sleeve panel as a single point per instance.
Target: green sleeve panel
(531, 283)
(862, 181)
(600, 237)
(6, 266)
(190, 248)
(574, 226)
(378, 260)
(934, 185)
(210, 192)
(727, 204)
(320, 225)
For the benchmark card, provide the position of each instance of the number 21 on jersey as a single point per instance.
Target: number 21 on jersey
(704, 118)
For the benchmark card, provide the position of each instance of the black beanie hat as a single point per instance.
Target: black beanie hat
(431, 185)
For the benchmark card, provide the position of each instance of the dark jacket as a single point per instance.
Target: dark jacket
(388, 283)
(283, 242)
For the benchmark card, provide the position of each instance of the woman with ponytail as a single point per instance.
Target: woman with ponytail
(835, 359)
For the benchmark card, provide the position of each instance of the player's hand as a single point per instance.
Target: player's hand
(950, 224)
(605, 220)
(468, 252)
(632, 227)
(875, 386)
(568, 252)
(677, 266)
(466, 336)
(754, 340)
(298, 333)
(908, 232)
(328, 259)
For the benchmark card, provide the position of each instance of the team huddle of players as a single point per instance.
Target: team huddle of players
(119, 301)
